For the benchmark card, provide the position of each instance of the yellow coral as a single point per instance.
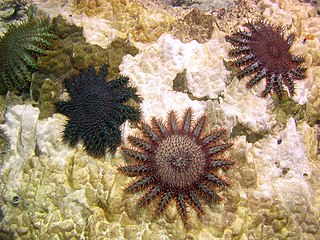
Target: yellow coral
(313, 104)
(129, 18)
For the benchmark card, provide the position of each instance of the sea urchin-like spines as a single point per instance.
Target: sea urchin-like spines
(176, 162)
(263, 51)
(208, 193)
(221, 163)
(96, 108)
(186, 123)
(199, 126)
(216, 180)
(195, 202)
(172, 122)
(151, 195)
(165, 198)
(212, 137)
(140, 143)
(160, 127)
(290, 39)
(19, 48)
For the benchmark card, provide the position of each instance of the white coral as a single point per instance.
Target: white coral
(283, 165)
(20, 128)
(244, 106)
(154, 70)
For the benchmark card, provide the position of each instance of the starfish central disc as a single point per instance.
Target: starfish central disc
(271, 50)
(179, 162)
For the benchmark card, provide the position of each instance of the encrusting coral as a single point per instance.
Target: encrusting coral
(96, 109)
(264, 50)
(19, 48)
(174, 160)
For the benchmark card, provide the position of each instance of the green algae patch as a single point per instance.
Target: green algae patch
(49, 94)
(287, 108)
(180, 83)
(251, 137)
(116, 50)
(70, 51)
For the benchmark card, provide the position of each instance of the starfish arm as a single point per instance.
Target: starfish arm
(160, 126)
(239, 51)
(249, 70)
(182, 206)
(212, 137)
(164, 202)
(277, 86)
(71, 134)
(65, 108)
(172, 122)
(216, 180)
(269, 83)
(103, 73)
(195, 202)
(211, 194)
(221, 163)
(126, 112)
(149, 132)
(140, 143)
(260, 75)
(187, 119)
(245, 59)
(153, 193)
(141, 157)
(218, 149)
(140, 184)
(133, 170)
(198, 128)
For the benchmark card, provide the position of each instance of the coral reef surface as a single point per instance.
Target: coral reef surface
(176, 56)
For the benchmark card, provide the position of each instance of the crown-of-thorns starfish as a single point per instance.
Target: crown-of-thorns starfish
(96, 109)
(175, 160)
(263, 51)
